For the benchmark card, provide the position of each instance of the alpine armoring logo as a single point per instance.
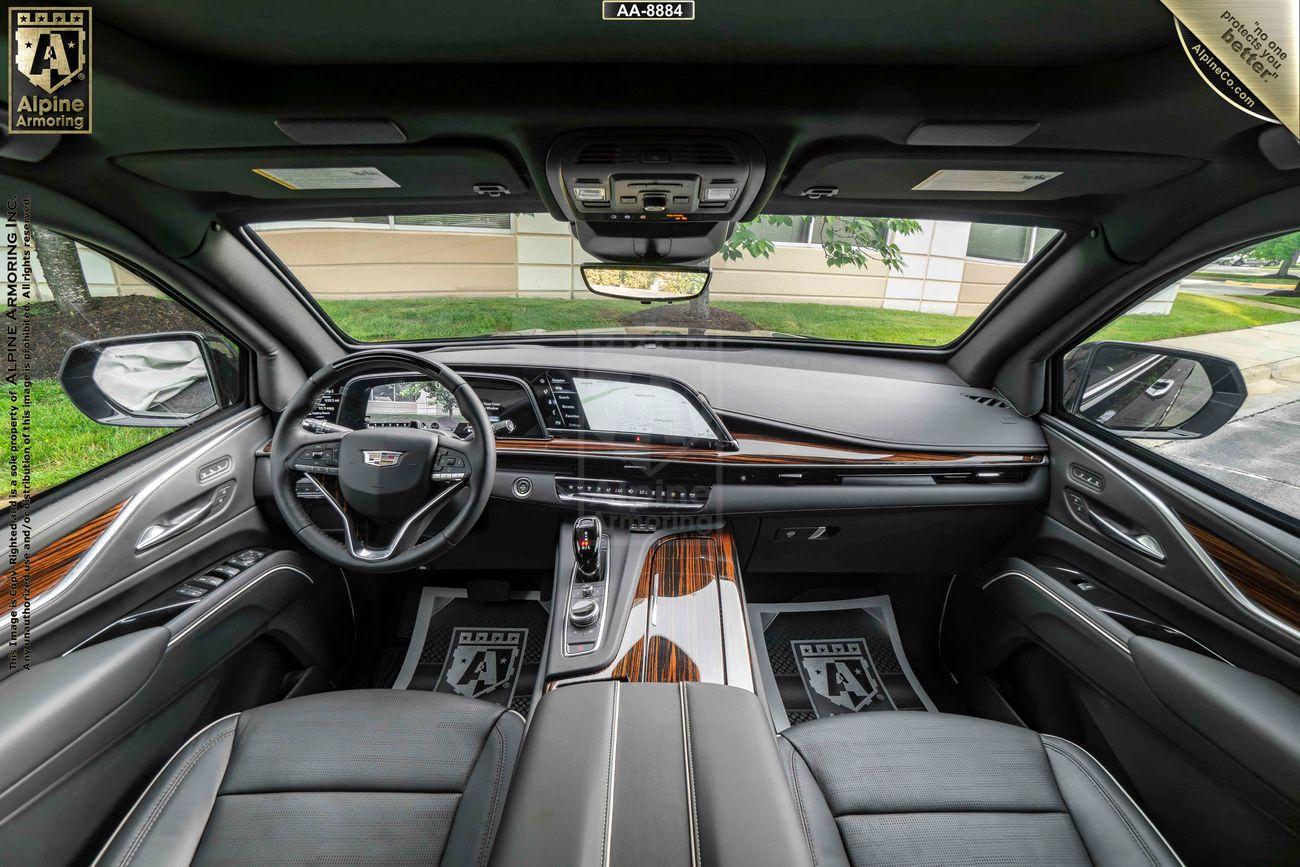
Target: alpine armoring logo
(49, 74)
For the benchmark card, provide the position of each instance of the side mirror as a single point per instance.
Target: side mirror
(646, 283)
(1140, 391)
(154, 380)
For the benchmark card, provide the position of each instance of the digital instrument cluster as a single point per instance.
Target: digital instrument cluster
(534, 403)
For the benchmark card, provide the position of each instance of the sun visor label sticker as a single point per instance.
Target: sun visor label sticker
(981, 181)
(330, 178)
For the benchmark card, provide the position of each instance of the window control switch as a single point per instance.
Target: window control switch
(225, 570)
(191, 591)
(209, 580)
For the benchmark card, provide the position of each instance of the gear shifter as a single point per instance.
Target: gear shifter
(586, 547)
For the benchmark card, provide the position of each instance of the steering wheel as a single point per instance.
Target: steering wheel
(387, 484)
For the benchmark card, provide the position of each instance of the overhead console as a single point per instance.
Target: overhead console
(663, 197)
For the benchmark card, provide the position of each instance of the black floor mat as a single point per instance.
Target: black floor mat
(827, 658)
(486, 650)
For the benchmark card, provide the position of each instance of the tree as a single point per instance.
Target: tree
(1283, 249)
(62, 267)
(845, 241)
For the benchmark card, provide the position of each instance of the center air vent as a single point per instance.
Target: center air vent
(991, 402)
(607, 153)
(703, 153)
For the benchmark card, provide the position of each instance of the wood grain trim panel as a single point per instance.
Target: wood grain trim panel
(1259, 582)
(51, 564)
(761, 451)
(666, 662)
(687, 621)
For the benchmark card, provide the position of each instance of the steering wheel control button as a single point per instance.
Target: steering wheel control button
(321, 459)
(522, 487)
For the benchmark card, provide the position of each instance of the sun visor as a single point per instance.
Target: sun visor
(450, 171)
(934, 174)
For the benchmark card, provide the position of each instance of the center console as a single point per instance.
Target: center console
(655, 604)
(619, 773)
(649, 743)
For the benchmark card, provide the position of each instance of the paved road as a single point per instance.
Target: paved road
(1257, 453)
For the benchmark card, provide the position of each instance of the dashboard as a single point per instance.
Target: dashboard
(647, 443)
(536, 404)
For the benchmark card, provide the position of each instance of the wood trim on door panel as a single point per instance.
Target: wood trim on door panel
(51, 564)
(1261, 583)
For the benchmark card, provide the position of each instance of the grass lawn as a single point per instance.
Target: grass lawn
(1253, 279)
(1276, 299)
(65, 443)
(1194, 314)
(421, 318)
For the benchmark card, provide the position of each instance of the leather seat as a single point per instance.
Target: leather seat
(361, 777)
(907, 787)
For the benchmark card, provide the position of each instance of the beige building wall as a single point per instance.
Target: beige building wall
(539, 259)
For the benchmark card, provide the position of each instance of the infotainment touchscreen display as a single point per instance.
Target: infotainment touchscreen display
(620, 406)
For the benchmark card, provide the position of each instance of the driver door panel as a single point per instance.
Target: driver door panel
(110, 693)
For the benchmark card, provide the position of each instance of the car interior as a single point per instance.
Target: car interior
(349, 560)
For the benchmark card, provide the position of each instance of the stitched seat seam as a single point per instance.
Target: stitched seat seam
(1109, 800)
(485, 844)
(156, 812)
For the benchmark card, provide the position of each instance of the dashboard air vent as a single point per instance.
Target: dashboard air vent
(991, 402)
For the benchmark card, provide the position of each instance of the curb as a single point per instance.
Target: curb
(1288, 369)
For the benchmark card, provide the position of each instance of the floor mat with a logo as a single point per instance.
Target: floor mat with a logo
(486, 650)
(827, 658)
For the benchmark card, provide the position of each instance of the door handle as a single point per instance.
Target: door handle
(156, 534)
(1144, 543)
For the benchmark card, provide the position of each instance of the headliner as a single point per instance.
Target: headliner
(923, 32)
(195, 77)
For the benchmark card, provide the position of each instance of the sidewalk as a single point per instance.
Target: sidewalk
(1264, 353)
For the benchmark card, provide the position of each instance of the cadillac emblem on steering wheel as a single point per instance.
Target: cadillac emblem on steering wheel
(381, 458)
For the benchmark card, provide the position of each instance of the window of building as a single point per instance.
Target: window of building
(1007, 243)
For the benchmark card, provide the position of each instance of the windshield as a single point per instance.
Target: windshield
(867, 279)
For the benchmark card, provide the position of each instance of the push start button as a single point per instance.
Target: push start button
(523, 487)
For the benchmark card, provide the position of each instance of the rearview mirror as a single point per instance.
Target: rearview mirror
(646, 283)
(1140, 391)
(156, 380)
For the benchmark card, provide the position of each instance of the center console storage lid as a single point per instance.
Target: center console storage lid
(627, 774)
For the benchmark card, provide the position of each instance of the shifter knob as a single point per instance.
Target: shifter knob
(586, 542)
